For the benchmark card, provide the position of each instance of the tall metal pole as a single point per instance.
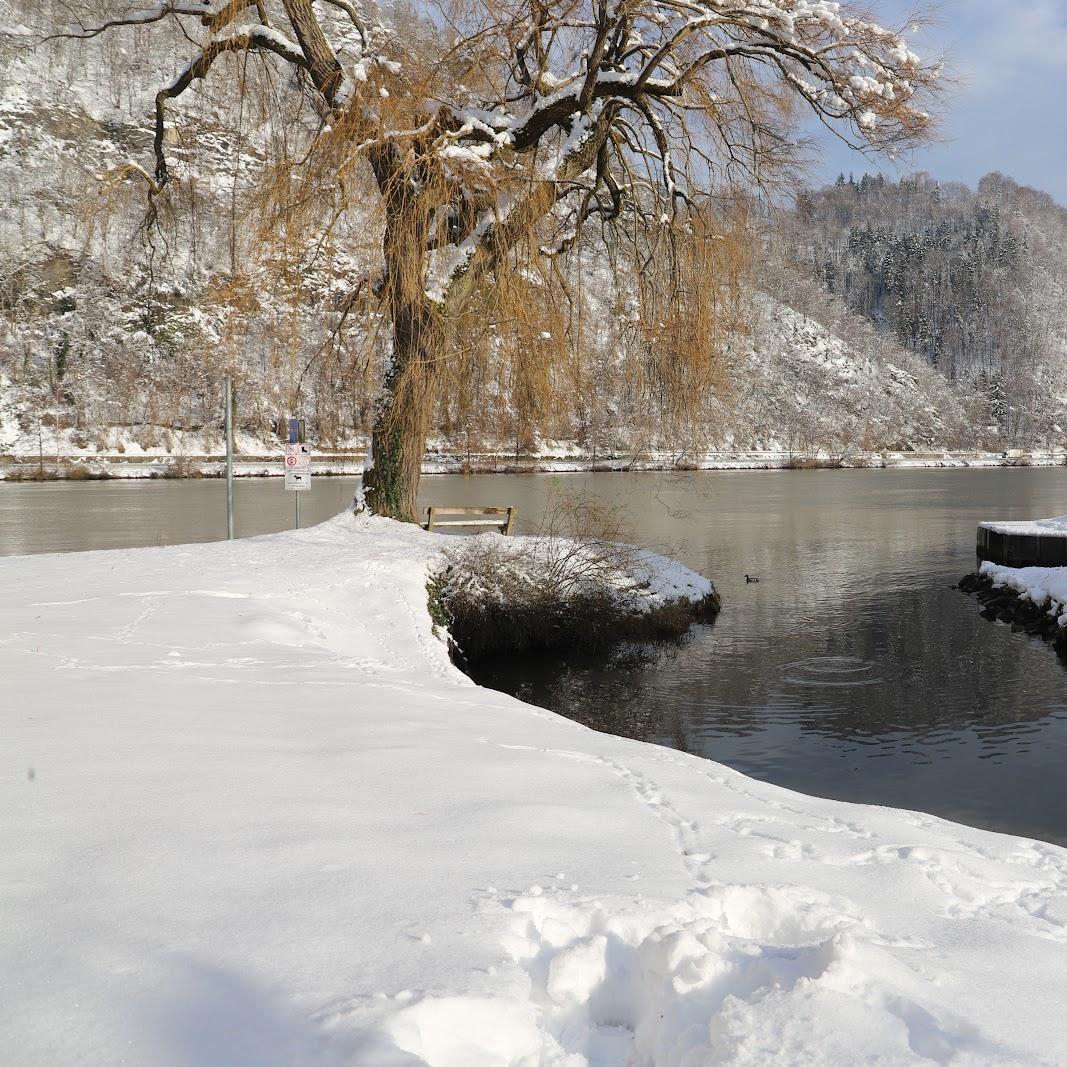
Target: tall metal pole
(227, 394)
(294, 438)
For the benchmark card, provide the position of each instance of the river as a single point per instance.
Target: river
(851, 669)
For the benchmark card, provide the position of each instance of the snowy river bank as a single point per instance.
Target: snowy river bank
(252, 814)
(259, 460)
(1029, 599)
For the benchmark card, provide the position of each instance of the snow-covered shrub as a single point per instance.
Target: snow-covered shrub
(584, 592)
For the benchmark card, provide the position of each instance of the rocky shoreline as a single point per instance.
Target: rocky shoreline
(1003, 604)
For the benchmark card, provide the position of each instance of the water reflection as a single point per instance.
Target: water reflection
(853, 669)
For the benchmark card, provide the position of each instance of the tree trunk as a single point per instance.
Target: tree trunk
(405, 411)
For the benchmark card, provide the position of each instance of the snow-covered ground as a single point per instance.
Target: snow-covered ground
(1045, 586)
(250, 814)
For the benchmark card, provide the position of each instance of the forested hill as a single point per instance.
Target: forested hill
(973, 281)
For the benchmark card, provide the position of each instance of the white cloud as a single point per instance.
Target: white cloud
(1005, 110)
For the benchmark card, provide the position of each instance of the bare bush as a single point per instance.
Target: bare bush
(572, 586)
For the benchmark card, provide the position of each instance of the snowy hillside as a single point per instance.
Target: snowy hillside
(975, 282)
(801, 388)
(115, 335)
(804, 392)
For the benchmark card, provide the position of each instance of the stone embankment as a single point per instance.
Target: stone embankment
(258, 459)
(1001, 603)
(1035, 543)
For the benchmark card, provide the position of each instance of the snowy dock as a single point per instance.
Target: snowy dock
(1041, 543)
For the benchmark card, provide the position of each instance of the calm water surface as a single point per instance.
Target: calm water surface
(852, 669)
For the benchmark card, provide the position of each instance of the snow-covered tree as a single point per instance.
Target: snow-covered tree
(973, 281)
(498, 135)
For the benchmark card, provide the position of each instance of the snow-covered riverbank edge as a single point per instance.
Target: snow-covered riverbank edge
(158, 464)
(268, 822)
(1044, 587)
(1033, 599)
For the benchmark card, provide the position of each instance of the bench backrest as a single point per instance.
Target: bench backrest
(441, 515)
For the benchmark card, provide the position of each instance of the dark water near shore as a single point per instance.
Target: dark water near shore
(852, 669)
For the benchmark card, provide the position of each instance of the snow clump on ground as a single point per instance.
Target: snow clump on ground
(1041, 585)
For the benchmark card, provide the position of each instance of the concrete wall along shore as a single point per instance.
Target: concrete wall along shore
(1042, 543)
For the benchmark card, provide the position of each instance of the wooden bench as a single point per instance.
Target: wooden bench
(441, 515)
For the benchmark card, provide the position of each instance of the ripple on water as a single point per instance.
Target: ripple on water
(842, 672)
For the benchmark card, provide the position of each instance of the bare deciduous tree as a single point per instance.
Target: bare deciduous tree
(498, 134)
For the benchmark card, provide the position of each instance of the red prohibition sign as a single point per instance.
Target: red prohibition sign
(290, 461)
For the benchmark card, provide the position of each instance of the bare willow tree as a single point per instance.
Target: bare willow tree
(497, 135)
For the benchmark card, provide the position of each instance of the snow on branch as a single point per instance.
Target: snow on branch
(686, 89)
(255, 37)
(549, 115)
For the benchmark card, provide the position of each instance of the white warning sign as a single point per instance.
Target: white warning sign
(298, 467)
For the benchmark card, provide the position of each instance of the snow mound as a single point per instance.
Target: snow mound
(1042, 585)
(733, 973)
(640, 580)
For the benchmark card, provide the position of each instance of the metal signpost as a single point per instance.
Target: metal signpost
(297, 465)
(227, 399)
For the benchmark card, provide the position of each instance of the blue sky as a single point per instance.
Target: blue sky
(1008, 110)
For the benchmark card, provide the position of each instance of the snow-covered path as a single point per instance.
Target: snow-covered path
(250, 814)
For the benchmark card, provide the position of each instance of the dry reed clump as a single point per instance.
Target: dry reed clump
(64, 470)
(813, 463)
(25, 473)
(578, 590)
